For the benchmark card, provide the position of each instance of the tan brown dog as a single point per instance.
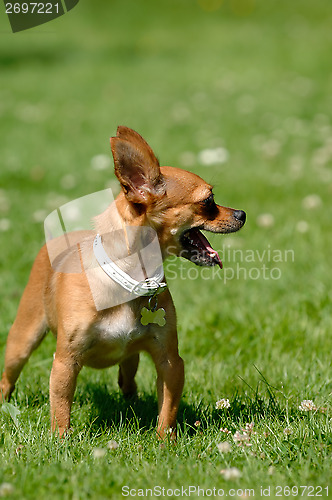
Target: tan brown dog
(177, 205)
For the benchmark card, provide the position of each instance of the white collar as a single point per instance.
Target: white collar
(149, 286)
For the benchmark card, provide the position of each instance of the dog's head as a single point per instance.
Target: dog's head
(176, 203)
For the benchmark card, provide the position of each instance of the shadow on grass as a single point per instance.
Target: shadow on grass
(111, 409)
(103, 407)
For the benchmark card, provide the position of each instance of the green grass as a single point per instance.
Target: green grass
(255, 78)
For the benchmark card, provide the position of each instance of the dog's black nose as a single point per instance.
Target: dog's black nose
(240, 215)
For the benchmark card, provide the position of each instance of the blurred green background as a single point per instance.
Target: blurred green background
(239, 92)
(250, 77)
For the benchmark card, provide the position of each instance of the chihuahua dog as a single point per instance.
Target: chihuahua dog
(177, 205)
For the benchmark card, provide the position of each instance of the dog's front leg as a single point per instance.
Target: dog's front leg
(62, 387)
(170, 385)
(170, 370)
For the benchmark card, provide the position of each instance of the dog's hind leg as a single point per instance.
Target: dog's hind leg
(25, 335)
(127, 372)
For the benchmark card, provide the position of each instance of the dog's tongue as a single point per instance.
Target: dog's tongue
(202, 242)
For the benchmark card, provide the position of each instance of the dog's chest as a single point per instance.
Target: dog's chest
(121, 328)
(115, 336)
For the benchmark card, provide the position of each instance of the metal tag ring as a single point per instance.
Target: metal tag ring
(153, 305)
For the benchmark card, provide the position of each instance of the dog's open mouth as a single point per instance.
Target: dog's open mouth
(197, 249)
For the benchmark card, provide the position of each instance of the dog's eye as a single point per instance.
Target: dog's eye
(209, 202)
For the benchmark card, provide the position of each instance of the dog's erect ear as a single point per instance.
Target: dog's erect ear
(128, 134)
(136, 167)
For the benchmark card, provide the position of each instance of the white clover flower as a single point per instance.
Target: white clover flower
(296, 167)
(68, 181)
(222, 403)
(100, 162)
(321, 156)
(271, 148)
(224, 447)
(226, 431)
(112, 445)
(231, 473)
(265, 220)
(6, 489)
(245, 104)
(31, 113)
(39, 215)
(214, 156)
(307, 405)
(288, 431)
(187, 159)
(180, 112)
(55, 200)
(72, 212)
(241, 439)
(4, 224)
(249, 429)
(302, 226)
(312, 201)
(99, 452)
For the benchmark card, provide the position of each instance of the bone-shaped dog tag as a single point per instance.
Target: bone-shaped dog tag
(148, 316)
